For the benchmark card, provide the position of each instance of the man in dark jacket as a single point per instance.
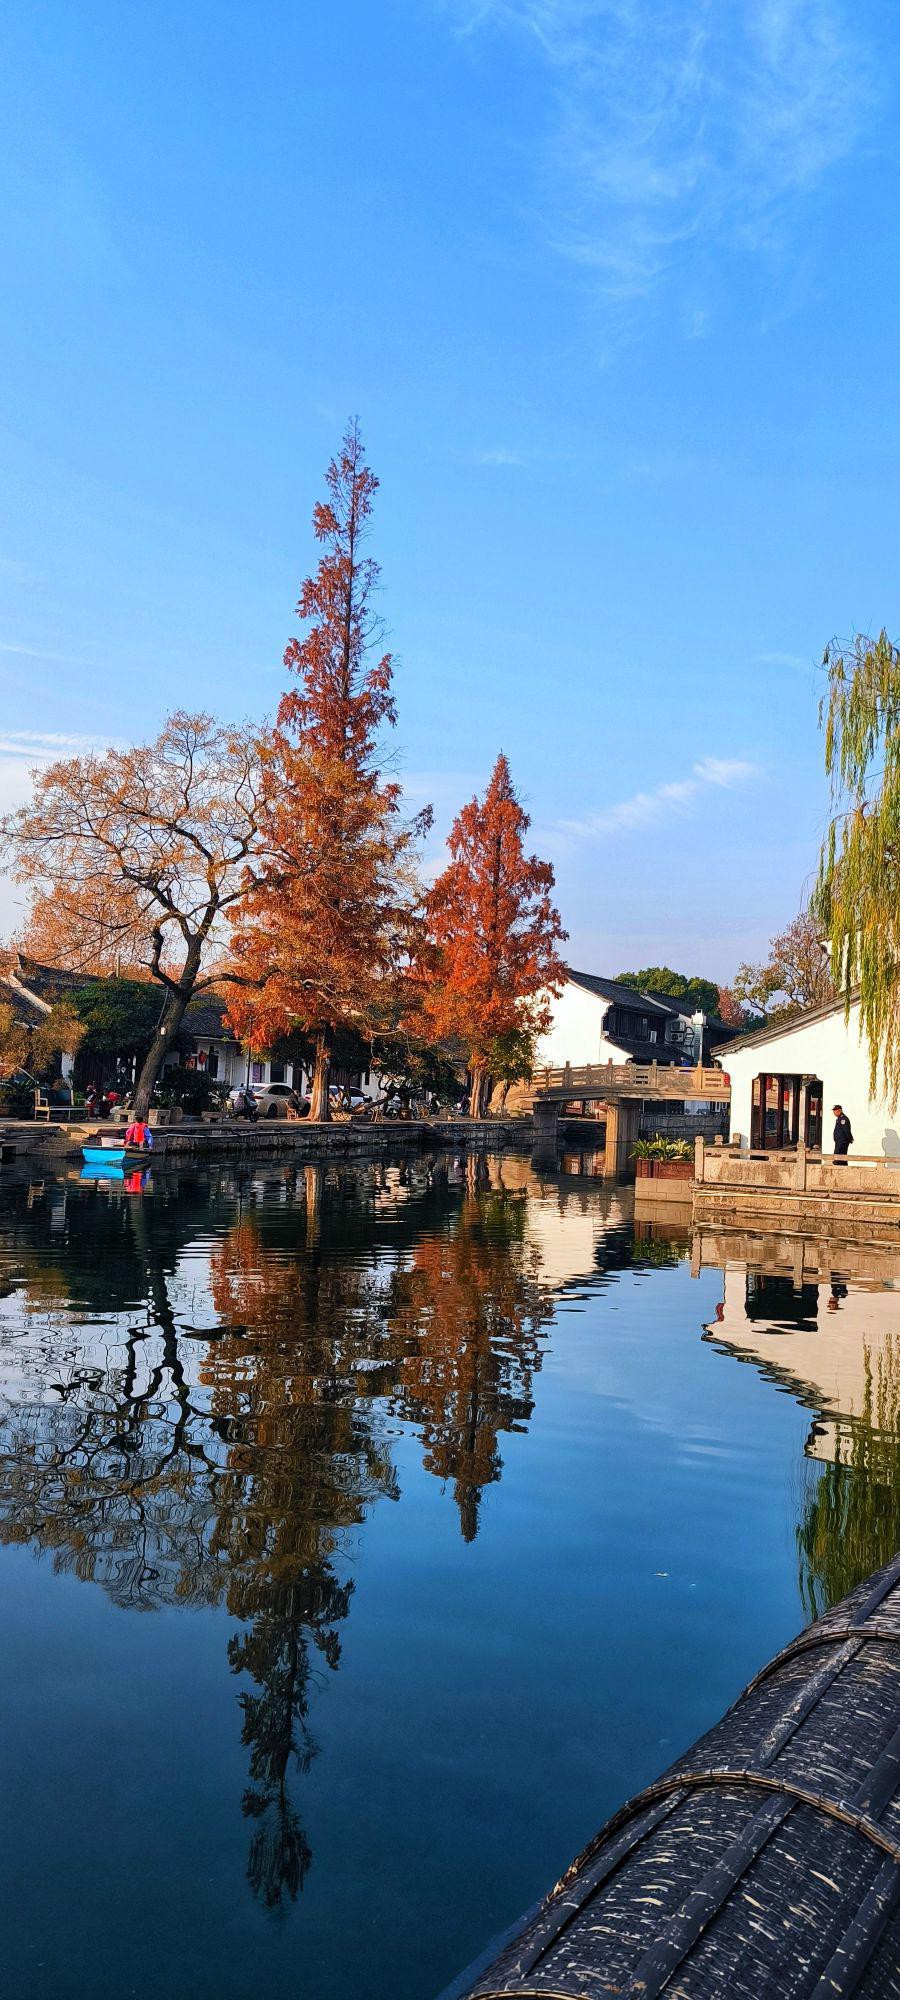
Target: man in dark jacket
(843, 1137)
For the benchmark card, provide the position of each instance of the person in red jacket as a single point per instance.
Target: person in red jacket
(139, 1134)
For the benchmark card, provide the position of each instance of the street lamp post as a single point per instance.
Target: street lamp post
(699, 1022)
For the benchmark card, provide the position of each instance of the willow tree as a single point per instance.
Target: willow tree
(858, 889)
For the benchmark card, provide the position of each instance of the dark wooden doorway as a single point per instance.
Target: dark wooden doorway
(775, 1112)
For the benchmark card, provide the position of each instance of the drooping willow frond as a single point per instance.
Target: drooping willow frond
(858, 889)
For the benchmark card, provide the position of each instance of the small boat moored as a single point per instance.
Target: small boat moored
(113, 1155)
(764, 1865)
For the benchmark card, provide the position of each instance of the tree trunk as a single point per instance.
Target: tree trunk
(476, 1091)
(170, 1021)
(319, 1103)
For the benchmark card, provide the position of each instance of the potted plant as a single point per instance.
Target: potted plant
(664, 1159)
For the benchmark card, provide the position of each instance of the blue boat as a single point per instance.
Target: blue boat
(118, 1175)
(115, 1156)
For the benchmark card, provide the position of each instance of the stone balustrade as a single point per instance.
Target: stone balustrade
(800, 1187)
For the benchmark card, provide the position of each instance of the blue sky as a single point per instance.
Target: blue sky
(612, 286)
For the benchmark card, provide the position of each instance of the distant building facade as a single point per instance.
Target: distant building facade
(205, 1041)
(598, 1020)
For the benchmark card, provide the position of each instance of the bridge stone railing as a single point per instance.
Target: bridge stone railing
(653, 1080)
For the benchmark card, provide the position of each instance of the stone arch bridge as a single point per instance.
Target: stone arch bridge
(614, 1094)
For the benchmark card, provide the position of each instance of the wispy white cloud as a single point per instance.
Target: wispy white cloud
(42, 747)
(672, 799)
(677, 126)
(500, 456)
(38, 653)
(794, 660)
(24, 751)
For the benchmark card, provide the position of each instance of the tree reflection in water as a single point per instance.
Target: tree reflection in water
(305, 1459)
(227, 1464)
(850, 1524)
(467, 1314)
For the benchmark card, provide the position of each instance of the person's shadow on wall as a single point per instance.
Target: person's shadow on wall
(890, 1144)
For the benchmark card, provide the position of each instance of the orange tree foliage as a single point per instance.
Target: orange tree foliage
(730, 1011)
(494, 932)
(133, 859)
(329, 917)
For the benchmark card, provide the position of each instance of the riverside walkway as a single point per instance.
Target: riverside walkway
(268, 1139)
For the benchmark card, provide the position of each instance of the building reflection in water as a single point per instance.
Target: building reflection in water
(833, 1340)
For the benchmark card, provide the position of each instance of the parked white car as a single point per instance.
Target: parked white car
(274, 1099)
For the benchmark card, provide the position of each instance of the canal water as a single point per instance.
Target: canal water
(368, 1533)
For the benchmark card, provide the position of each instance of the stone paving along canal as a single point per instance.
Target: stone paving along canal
(367, 1533)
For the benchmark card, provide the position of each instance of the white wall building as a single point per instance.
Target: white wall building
(768, 1097)
(595, 1020)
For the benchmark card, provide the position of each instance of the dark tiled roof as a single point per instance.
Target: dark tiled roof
(49, 982)
(667, 1005)
(205, 1016)
(684, 1007)
(23, 1008)
(665, 1053)
(619, 995)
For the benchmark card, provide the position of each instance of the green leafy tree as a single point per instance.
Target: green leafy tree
(701, 995)
(419, 1068)
(511, 1060)
(857, 894)
(118, 1016)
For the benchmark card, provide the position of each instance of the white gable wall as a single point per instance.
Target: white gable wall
(576, 1033)
(829, 1048)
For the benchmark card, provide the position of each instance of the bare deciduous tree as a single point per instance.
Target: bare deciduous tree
(134, 859)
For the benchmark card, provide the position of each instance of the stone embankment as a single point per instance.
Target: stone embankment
(800, 1191)
(269, 1139)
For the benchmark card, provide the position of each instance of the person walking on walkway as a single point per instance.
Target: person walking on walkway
(843, 1136)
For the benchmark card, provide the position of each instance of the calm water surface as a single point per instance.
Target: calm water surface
(366, 1535)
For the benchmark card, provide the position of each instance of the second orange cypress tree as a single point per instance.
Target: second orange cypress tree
(494, 930)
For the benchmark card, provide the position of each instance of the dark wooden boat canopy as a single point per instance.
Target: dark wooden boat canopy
(765, 1862)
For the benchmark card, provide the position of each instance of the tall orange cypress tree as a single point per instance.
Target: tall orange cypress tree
(494, 931)
(328, 918)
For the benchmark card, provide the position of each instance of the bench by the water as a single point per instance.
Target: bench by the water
(764, 1865)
